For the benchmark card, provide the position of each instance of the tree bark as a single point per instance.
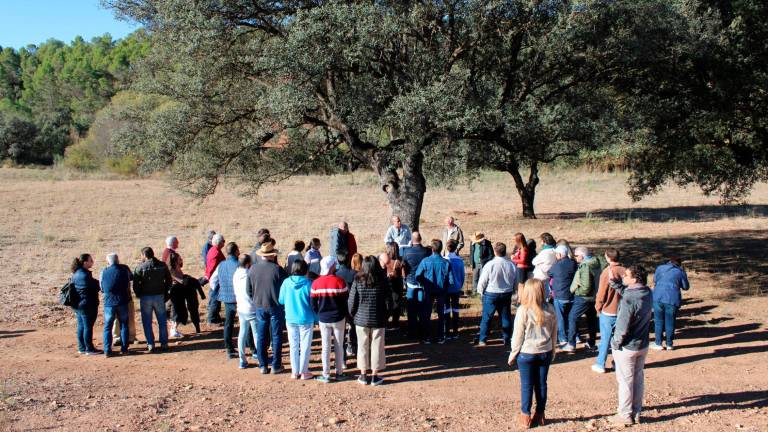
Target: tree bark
(405, 193)
(526, 190)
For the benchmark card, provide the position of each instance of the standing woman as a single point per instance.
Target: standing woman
(533, 346)
(522, 258)
(177, 304)
(356, 262)
(370, 301)
(295, 294)
(313, 256)
(87, 307)
(394, 271)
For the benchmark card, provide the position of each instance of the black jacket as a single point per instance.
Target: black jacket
(370, 304)
(152, 277)
(266, 278)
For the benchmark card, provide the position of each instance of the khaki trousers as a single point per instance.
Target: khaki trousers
(370, 349)
(630, 376)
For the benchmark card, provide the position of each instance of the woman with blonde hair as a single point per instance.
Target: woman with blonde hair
(356, 262)
(533, 347)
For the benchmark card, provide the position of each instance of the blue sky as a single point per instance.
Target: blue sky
(24, 22)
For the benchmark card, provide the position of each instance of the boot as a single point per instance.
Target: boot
(538, 419)
(525, 421)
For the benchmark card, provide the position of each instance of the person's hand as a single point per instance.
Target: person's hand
(511, 361)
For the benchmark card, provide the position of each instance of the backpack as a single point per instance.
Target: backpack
(68, 295)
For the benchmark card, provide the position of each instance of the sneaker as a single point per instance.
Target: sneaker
(669, 348)
(598, 369)
(426, 342)
(176, 334)
(620, 420)
(307, 376)
(562, 344)
(107, 354)
(323, 379)
(81, 352)
(589, 346)
(264, 371)
(362, 380)
(150, 349)
(341, 376)
(278, 370)
(164, 348)
(232, 355)
(93, 352)
(295, 376)
(243, 365)
(350, 352)
(377, 380)
(636, 418)
(653, 346)
(441, 341)
(569, 348)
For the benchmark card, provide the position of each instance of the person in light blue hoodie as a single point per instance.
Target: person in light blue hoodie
(299, 318)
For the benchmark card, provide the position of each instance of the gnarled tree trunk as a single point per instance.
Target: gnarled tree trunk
(526, 190)
(405, 193)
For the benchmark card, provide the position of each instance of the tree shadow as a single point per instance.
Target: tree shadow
(703, 213)
(737, 259)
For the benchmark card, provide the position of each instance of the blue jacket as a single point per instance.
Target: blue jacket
(223, 282)
(346, 273)
(457, 271)
(434, 274)
(87, 289)
(561, 274)
(116, 284)
(668, 280)
(412, 257)
(294, 295)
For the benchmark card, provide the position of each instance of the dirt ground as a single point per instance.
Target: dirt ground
(716, 378)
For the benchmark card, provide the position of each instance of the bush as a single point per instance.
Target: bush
(81, 158)
(124, 165)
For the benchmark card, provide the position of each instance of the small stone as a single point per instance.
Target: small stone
(320, 425)
(335, 421)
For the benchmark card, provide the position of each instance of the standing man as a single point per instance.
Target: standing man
(342, 241)
(480, 252)
(434, 274)
(668, 280)
(212, 260)
(630, 342)
(115, 286)
(454, 292)
(262, 236)
(329, 297)
(497, 285)
(222, 286)
(607, 305)
(207, 246)
(171, 245)
(266, 278)
(414, 293)
(344, 271)
(398, 233)
(452, 232)
(152, 284)
(561, 276)
(584, 288)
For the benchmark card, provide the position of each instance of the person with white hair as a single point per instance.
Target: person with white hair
(584, 289)
(171, 245)
(115, 287)
(452, 232)
(212, 260)
(398, 232)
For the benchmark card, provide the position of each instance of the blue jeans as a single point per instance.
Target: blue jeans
(86, 318)
(437, 299)
(416, 304)
(230, 312)
(501, 303)
(119, 313)
(156, 304)
(562, 310)
(664, 315)
(270, 322)
(214, 307)
(607, 322)
(579, 308)
(247, 321)
(533, 380)
(452, 314)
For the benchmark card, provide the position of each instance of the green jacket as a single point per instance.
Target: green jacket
(587, 279)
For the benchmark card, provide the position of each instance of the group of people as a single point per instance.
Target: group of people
(355, 298)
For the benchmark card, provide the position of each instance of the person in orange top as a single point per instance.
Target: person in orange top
(606, 304)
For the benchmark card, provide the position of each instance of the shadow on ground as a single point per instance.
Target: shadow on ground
(704, 213)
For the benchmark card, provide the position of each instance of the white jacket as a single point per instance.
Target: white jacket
(543, 261)
(240, 281)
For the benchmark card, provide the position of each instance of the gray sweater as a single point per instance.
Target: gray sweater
(633, 321)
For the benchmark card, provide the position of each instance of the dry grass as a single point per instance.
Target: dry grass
(48, 218)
